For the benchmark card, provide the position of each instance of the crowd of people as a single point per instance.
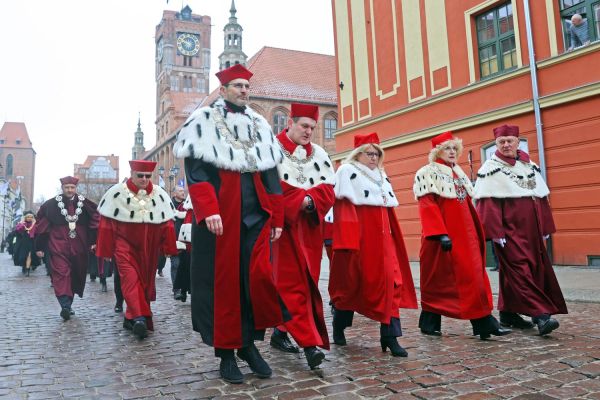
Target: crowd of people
(247, 241)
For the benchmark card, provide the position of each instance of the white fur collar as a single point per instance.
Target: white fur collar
(353, 183)
(438, 179)
(305, 175)
(203, 137)
(123, 205)
(499, 179)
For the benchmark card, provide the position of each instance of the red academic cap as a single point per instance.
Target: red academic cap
(305, 110)
(506, 130)
(238, 71)
(69, 180)
(367, 138)
(142, 165)
(441, 138)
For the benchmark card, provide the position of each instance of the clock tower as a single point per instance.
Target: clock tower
(182, 69)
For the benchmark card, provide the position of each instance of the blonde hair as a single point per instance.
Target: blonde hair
(353, 156)
(435, 152)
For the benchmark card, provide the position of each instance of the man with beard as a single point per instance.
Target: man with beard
(66, 226)
(231, 158)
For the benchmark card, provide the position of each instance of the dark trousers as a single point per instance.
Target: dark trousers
(117, 286)
(343, 319)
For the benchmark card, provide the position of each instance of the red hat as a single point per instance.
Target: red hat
(506, 130)
(142, 165)
(305, 110)
(441, 138)
(367, 138)
(69, 180)
(238, 71)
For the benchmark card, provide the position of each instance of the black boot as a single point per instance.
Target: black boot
(255, 361)
(545, 324)
(177, 294)
(314, 356)
(514, 320)
(103, 283)
(392, 343)
(281, 341)
(487, 326)
(183, 296)
(65, 313)
(119, 307)
(140, 329)
(229, 370)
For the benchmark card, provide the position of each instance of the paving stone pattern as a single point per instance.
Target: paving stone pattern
(92, 357)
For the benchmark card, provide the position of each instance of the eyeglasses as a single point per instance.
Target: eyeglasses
(240, 85)
(371, 154)
(147, 176)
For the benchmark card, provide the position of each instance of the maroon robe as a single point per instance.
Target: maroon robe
(68, 257)
(369, 273)
(297, 258)
(528, 284)
(135, 247)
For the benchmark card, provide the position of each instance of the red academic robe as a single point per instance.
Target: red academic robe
(68, 256)
(369, 273)
(453, 283)
(135, 247)
(528, 284)
(297, 260)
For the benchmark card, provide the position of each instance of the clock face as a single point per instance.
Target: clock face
(159, 50)
(188, 44)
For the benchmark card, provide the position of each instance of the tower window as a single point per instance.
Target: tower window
(9, 165)
(279, 122)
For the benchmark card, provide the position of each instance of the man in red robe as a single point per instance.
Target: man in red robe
(512, 203)
(231, 158)
(66, 228)
(136, 226)
(307, 179)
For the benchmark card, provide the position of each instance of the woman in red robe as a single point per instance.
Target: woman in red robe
(369, 273)
(454, 282)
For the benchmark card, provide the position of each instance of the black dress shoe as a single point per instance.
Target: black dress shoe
(65, 313)
(229, 370)
(281, 341)
(547, 326)
(431, 333)
(514, 320)
(338, 337)
(140, 330)
(71, 311)
(392, 343)
(118, 308)
(495, 332)
(255, 361)
(177, 294)
(128, 324)
(183, 297)
(314, 356)
(104, 288)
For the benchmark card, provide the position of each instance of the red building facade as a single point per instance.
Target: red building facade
(411, 69)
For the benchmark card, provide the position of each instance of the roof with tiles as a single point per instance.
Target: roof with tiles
(290, 75)
(14, 134)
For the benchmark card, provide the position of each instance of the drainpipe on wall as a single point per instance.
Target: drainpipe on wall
(534, 89)
(536, 106)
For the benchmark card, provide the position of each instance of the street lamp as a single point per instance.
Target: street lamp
(173, 173)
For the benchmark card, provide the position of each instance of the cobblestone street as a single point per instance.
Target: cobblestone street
(93, 357)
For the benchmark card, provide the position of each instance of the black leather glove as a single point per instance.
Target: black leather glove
(446, 243)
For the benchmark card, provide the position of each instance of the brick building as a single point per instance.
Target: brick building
(96, 175)
(411, 69)
(17, 174)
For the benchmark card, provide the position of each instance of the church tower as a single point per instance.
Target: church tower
(138, 150)
(232, 53)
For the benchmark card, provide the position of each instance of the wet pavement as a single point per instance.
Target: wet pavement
(93, 357)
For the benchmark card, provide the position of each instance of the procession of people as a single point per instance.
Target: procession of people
(247, 242)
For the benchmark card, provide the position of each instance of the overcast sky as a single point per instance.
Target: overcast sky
(77, 72)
